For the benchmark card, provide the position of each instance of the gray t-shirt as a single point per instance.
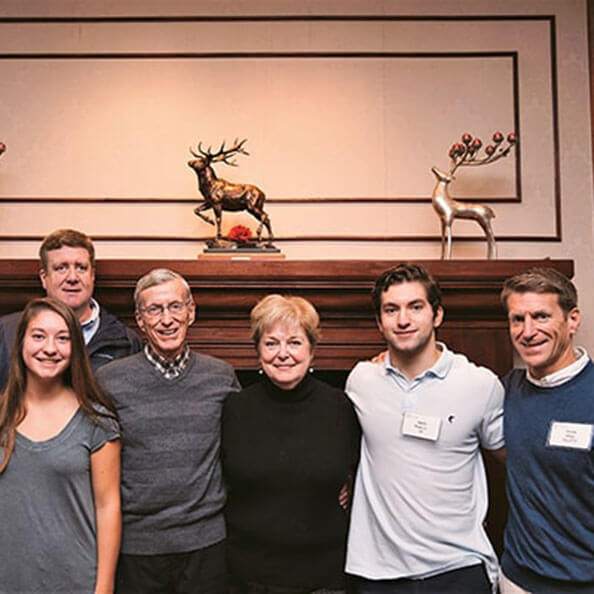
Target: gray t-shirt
(47, 513)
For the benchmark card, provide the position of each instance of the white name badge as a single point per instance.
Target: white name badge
(422, 426)
(570, 435)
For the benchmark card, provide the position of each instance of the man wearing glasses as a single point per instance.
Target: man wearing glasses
(169, 400)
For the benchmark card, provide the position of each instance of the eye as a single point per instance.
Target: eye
(295, 342)
(176, 307)
(153, 310)
(417, 306)
(389, 310)
(82, 267)
(37, 336)
(60, 267)
(63, 338)
(270, 344)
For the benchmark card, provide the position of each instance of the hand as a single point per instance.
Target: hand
(344, 496)
(380, 357)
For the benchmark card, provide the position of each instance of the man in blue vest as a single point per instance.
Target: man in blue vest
(548, 427)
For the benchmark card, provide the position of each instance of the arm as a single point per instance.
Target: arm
(105, 476)
(498, 454)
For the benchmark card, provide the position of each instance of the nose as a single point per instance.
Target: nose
(71, 275)
(283, 351)
(402, 318)
(528, 327)
(166, 317)
(50, 346)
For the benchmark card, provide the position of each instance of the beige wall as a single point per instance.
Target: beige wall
(346, 126)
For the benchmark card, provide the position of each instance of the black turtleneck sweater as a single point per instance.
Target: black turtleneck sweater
(286, 454)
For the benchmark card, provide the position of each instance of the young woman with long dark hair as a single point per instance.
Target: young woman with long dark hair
(59, 462)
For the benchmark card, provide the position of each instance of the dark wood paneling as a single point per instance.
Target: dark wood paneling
(226, 291)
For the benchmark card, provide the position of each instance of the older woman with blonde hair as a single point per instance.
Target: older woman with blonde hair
(289, 443)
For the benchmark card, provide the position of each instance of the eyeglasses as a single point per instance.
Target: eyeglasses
(176, 308)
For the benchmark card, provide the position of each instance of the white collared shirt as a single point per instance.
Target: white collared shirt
(562, 375)
(90, 327)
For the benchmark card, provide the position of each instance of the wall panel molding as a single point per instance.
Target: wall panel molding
(93, 31)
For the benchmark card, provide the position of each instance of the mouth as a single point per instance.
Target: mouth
(168, 333)
(532, 345)
(405, 333)
(49, 362)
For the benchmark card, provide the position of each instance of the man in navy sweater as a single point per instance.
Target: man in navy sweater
(548, 428)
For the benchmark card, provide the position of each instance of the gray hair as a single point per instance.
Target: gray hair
(158, 276)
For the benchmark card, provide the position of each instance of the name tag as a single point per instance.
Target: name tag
(422, 426)
(570, 435)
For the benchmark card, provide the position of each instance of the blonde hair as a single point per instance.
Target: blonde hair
(279, 308)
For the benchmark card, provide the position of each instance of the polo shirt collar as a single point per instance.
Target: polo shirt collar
(439, 369)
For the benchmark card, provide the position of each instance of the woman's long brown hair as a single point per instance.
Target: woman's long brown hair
(78, 375)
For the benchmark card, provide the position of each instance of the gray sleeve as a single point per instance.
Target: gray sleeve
(105, 429)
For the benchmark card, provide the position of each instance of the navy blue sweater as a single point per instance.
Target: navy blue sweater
(549, 540)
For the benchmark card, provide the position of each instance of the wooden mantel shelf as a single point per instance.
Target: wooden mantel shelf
(226, 291)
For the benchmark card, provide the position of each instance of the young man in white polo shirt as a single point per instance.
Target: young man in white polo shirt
(420, 496)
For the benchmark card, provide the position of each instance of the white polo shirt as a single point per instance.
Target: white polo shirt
(419, 504)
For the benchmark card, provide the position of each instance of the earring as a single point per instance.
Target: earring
(260, 372)
(311, 370)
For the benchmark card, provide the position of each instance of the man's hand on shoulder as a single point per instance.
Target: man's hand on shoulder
(380, 357)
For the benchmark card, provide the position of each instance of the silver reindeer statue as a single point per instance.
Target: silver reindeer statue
(466, 153)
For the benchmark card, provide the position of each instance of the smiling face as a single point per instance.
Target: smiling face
(285, 354)
(407, 321)
(70, 278)
(541, 331)
(165, 316)
(46, 346)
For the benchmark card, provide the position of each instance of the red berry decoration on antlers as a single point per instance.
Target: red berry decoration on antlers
(467, 152)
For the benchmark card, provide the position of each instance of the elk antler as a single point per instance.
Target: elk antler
(466, 153)
(222, 155)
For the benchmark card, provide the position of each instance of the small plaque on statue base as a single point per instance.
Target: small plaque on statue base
(239, 254)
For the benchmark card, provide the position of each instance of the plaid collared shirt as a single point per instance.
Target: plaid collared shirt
(169, 369)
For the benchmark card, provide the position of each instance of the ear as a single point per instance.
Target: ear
(378, 321)
(438, 318)
(139, 320)
(573, 321)
(42, 277)
(192, 313)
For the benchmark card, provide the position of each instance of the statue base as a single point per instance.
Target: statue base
(246, 252)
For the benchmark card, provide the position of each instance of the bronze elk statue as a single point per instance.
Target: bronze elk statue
(220, 195)
(466, 153)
